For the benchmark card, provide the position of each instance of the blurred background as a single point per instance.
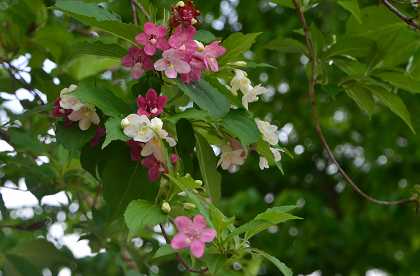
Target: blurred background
(341, 234)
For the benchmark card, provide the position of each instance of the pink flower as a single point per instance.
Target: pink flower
(138, 61)
(58, 112)
(210, 54)
(153, 166)
(153, 38)
(197, 66)
(193, 234)
(151, 105)
(182, 39)
(172, 63)
(174, 158)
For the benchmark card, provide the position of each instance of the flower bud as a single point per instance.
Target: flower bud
(166, 208)
(180, 4)
(189, 206)
(240, 63)
(193, 21)
(125, 123)
(198, 182)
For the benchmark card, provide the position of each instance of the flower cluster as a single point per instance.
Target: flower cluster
(72, 109)
(250, 93)
(185, 14)
(177, 55)
(147, 134)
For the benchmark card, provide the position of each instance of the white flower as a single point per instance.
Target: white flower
(141, 129)
(231, 158)
(263, 163)
(240, 82)
(86, 116)
(269, 132)
(276, 155)
(67, 101)
(252, 95)
(138, 128)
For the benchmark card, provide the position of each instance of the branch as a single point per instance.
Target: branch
(134, 12)
(408, 20)
(179, 258)
(143, 10)
(315, 116)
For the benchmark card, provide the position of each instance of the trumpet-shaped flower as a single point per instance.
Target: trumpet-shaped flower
(172, 63)
(240, 82)
(152, 38)
(68, 101)
(269, 132)
(138, 127)
(86, 116)
(252, 95)
(151, 104)
(182, 39)
(276, 155)
(193, 234)
(138, 61)
(184, 13)
(232, 155)
(210, 54)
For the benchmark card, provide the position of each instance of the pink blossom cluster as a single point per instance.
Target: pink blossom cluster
(177, 55)
(150, 105)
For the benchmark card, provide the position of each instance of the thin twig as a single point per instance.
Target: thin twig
(179, 257)
(143, 10)
(410, 21)
(315, 116)
(134, 12)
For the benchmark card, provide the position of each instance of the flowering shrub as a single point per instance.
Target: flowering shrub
(165, 138)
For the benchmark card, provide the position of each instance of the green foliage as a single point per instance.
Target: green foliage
(140, 213)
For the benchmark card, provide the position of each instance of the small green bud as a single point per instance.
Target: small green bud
(189, 206)
(166, 208)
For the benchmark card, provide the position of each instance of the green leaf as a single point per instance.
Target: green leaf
(206, 97)
(353, 7)
(140, 213)
(25, 141)
(237, 44)
(263, 221)
(204, 36)
(85, 66)
(286, 45)
(208, 167)
(104, 99)
(355, 46)
(164, 250)
(124, 180)
(362, 97)
(393, 102)
(72, 138)
(190, 115)
(114, 131)
(280, 265)
(400, 80)
(99, 48)
(85, 9)
(240, 125)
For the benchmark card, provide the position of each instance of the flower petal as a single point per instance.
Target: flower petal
(197, 248)
(199, 222)
(179, 241)
(171, 73)
(207, 235)
(183, 223)
(181, 66)
(161, 64)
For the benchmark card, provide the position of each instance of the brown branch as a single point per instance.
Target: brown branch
(315, 116)
(179, 257)
(408, 20)
(134, 12)
(143, 10)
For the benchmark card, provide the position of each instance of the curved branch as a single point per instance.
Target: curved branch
(408, 20)
(315, 116)
(179, 258)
